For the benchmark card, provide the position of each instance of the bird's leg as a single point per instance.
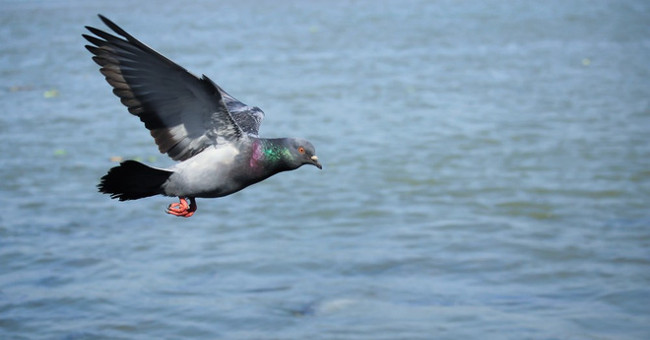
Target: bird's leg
(193, 207)
(181, 208)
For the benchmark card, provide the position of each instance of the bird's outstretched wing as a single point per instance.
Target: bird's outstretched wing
(184, 113)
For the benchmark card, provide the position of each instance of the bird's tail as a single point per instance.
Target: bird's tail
(132, 180)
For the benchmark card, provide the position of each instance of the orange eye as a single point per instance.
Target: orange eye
(301, 150)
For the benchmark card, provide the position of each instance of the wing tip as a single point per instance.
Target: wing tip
(105, 20)
(117, 29)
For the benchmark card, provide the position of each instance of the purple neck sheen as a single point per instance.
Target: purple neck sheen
(257, 154)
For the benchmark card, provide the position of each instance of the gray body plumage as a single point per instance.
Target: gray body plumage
(194, 121)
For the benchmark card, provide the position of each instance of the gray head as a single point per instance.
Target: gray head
(302, 152)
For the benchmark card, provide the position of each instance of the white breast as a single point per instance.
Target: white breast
(204, 175)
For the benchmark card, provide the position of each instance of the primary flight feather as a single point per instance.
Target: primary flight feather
(194, 121)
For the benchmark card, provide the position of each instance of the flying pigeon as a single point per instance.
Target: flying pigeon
(212, 135)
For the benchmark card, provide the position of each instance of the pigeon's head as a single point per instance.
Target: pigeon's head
(302, 152)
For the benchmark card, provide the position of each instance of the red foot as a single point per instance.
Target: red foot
(182, 209)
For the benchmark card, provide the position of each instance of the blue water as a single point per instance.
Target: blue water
(486, 174)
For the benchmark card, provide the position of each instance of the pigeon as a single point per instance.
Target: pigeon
(212, 136)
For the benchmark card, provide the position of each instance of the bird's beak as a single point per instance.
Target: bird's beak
(314, 160)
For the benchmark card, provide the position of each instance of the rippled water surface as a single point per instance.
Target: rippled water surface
(486, 174)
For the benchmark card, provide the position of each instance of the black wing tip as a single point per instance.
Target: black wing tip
(117, 29)
(94, 30)
(93, 40)
(106, 20)
(91, 49)
(113, 26)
